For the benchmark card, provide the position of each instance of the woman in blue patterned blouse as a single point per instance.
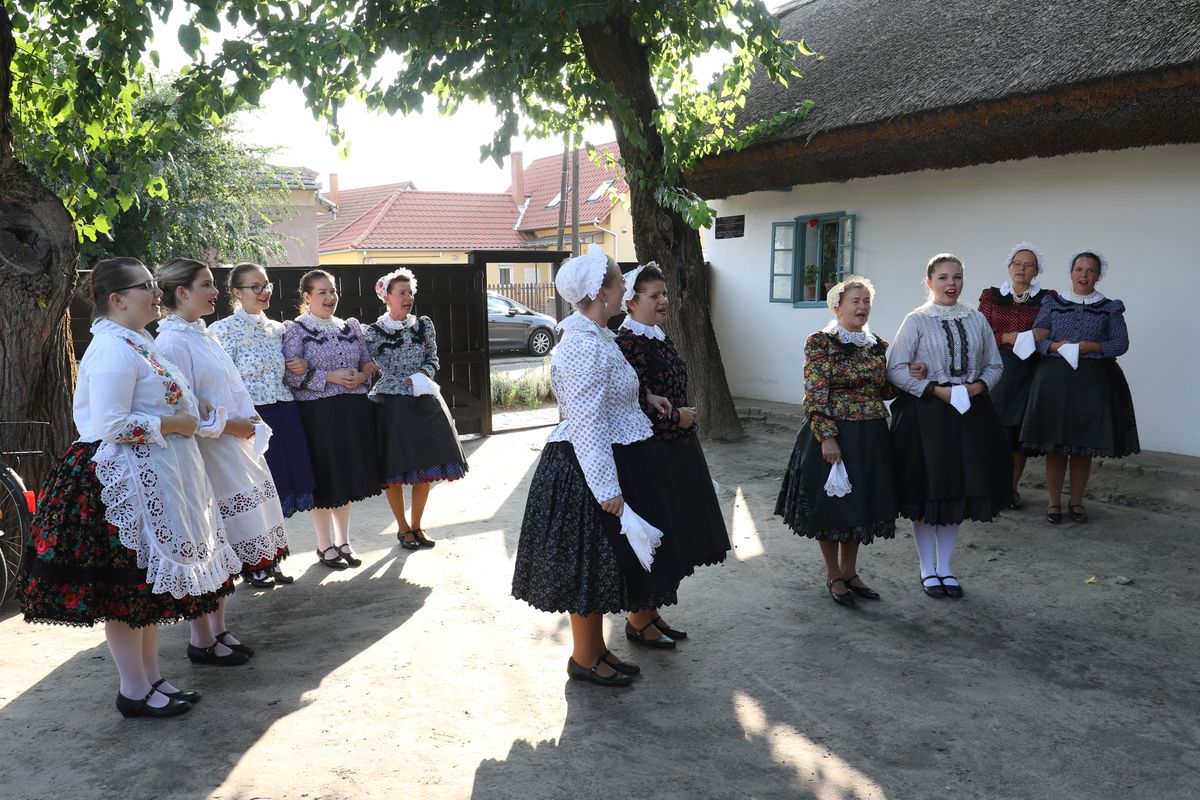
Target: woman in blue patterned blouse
(1079, 402)
(418, 443)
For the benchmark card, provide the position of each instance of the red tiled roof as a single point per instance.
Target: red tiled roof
(353, 203)
(414, 220)
(543, 179)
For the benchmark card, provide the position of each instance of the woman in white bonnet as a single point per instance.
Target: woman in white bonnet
(572, 556)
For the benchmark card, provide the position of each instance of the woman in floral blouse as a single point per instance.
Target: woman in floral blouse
(845, 386)
(662, 373)
(127, 532)
(331, 367)
(418, 443)
(1079, 403)
(1011, 309)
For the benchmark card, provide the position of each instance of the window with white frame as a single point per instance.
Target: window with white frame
(506, 271)
(809, 254)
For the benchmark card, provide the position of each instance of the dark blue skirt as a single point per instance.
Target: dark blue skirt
(287, 457)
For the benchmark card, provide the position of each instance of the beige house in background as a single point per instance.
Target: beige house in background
(297, 220)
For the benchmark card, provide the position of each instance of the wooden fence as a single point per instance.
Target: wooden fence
(538, 296)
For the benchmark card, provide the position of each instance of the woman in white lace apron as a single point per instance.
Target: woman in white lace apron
(952, 460)
(241, 480)
(845, 386)
(127, 531)
(577, 554)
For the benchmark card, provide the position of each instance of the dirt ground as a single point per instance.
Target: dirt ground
(417, 675)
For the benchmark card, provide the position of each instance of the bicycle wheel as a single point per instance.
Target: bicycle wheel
(16, 517)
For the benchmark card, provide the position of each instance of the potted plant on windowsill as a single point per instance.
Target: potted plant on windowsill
(812, 277)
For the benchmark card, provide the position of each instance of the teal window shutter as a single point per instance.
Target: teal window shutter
(783, 262)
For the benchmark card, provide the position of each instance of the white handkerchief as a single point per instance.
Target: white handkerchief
(214, 420)
(960, 398)
(643, 537)
(838, 484)
(1071, 353)
(423, 384)
(262, 437)
(1025, 345)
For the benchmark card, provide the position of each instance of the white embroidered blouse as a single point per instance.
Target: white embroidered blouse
(209, 369)
(155, 490)
(597, 393)
(255, 343)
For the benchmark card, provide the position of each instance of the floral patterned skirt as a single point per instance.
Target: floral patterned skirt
(77, 572)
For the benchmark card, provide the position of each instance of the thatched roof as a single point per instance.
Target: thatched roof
(906, 85)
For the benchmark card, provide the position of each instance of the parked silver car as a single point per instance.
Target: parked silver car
(512, 326)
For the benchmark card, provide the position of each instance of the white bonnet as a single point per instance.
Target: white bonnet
(381, 285)
(1089, 251)
(582, 276)
(631, 279)
(1031, 247)
(833, 298)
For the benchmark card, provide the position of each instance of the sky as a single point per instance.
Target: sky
(435, 152)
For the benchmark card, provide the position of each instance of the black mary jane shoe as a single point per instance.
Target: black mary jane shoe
(1054, 517)
(638, 636)
(263, 579)
(841, 598)
(208, 655)
(1015, 502)
(280, 578)
(579, 673)
(239, 647)
(422, 539)
(937, 590)
(953, 590)
(348, 556)
(411, 543)
(333, 563)
(141, 708)
(624, 667)
(674, 633)
(186, 695)
(861, 591)
(1079, 515)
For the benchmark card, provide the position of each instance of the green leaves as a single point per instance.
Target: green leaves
(189, 39)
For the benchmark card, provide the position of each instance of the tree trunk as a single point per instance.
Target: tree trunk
(38, 257)
(660, 234)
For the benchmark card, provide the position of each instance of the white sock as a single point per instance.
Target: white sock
(323, 524)
(341, 525)
(925, 537)
(946, 537)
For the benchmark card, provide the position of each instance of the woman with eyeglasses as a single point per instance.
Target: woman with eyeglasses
(127, 531)
(328, 376)
(255, 343)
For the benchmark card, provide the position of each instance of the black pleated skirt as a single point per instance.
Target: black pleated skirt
(870, 508)
(949, 467)
(418, 442)
(341, 441)
(1011, 395)
(1080, 412)
(288, 458)
(695, 510)
(571, 556)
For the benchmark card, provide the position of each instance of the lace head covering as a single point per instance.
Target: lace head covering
(631, 280)
(834, 298)
(381, 285)
(1088, 251)
(1038, 255)
(582, 276)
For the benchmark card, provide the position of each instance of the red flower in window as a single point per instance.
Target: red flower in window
(814, 222)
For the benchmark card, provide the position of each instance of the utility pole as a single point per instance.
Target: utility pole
(575, 248)
(562, 192)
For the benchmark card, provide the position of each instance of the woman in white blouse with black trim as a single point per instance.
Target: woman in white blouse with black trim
(577, 554)
(127, 531)
(241, 481)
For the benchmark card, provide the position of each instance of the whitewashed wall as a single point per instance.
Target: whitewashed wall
(1140, 208)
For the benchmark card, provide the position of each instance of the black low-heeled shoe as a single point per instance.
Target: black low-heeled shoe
(140, 708)
(252, 579)
(280, 578)
(841, 598)
(408, 544)
(187, 695)
(626, 667)
(579, 673)
(208, 655)
(1054, 517)
(638, 636)
(333, 563)
(953, 590)
(934, 589)
(348, 556)
(239, 647)
(861, 591)
(1015, 502)
(1079, 516)
(674, 633)
(422, 539)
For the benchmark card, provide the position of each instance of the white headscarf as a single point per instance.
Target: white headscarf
(1034, 285)
(631, 280)
(582, 276)
(1096, 253)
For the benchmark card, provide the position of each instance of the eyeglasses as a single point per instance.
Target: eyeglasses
(1026, 264)
(150, 286)
(258, 288)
